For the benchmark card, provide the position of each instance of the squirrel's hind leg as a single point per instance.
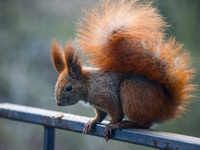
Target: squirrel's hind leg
(122, 124)
(129, 124)
(143, 101)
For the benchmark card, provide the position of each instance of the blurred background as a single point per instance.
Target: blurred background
(27, 76)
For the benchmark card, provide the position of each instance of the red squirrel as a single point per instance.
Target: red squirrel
(139, 72)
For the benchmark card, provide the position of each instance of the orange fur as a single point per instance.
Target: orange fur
(128, 36)
(57, 56)
(72, 61)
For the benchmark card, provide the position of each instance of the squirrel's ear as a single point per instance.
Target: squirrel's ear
(73, 62)
(57, 56)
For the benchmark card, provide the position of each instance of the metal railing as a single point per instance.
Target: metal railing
(146, 137)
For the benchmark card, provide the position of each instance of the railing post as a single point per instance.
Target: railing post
(49, 134)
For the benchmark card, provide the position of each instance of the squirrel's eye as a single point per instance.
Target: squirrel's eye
(68, 88)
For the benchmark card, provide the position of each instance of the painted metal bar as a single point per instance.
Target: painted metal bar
(49, 135)
(146, 137)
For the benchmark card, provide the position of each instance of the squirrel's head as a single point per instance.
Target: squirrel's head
(70, 86)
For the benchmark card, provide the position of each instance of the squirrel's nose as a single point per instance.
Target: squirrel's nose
(59, 103)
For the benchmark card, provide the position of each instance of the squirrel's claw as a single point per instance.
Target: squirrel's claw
(109, 130)
(89, 126)
(108, 133)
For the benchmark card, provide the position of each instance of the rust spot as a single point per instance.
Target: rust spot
(167, 147)
(46, 118)
(155, 143)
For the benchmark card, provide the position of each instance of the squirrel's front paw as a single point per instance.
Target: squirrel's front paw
(89, 126)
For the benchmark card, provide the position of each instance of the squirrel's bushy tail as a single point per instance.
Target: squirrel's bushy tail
(128, 36)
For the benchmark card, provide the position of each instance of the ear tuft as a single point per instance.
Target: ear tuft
(73, 62)
(57, 56)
